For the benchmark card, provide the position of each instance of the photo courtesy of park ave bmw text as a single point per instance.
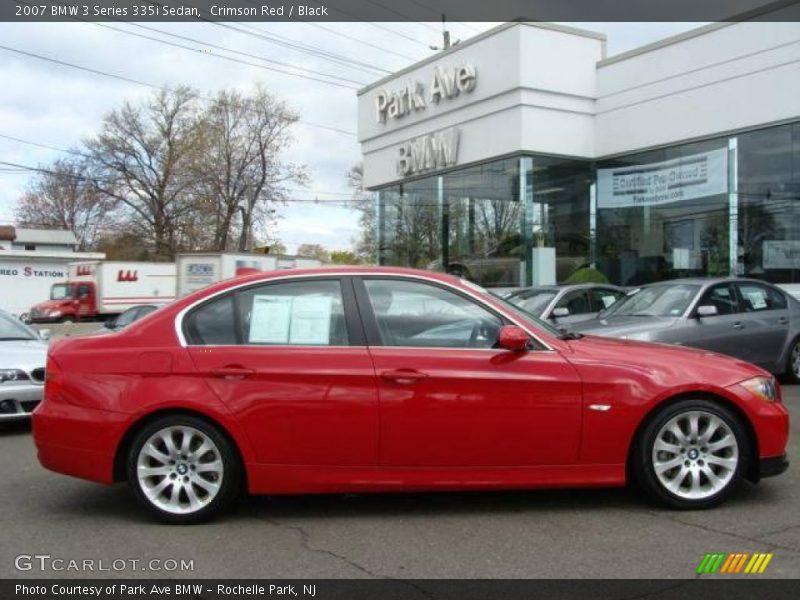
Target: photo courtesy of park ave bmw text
(435, 298)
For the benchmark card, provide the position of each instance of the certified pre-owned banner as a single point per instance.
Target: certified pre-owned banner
(676, 180)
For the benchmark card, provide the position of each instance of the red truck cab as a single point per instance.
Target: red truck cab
(69, 301)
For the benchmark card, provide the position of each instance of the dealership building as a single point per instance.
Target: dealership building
(525, 153)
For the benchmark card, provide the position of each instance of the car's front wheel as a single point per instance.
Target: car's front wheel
(183, 469)
(693, 454)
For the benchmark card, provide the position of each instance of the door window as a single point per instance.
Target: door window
(83, 291)
(601, 298)
(423, 315)
(722, 297)
(760, 297)
(576, 302)
(300, 313)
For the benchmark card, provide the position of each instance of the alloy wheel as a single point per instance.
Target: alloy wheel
(695, 455)
(180, 469)
(796, 360)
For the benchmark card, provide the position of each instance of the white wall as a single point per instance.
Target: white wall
(733, 76)
(547, 89)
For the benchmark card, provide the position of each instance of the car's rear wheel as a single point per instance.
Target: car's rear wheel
(183, 469)
(693, 454)
(793, 363)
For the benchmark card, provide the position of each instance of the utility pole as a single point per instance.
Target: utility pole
(445, 38)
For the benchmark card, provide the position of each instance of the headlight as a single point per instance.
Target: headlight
(55, 313)
(12, 375)
(762, 387)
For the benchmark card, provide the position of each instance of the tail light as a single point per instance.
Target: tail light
(53, 381)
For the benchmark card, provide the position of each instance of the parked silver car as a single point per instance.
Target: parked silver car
(23, 353)
(565, 305)
(749, 319)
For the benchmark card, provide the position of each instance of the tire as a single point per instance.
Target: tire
(793, 363)
(685, 475)
(67, 319)
(183, 487)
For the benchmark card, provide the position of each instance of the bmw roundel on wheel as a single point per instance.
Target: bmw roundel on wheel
(381, 379)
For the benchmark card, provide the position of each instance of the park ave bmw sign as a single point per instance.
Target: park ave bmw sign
(445, 84)
(436, 150)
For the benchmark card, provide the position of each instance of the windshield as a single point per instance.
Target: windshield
(661, 300)
(532, 302)
(11, 329)
(60, 291)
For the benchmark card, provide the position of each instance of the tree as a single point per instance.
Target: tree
(142, 157)
(364, 202)
(62, 196)
(344, 257)
(241, 167)
(314, 251)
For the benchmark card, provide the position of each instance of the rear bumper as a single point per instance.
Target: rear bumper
(77, 441)
(769, 467)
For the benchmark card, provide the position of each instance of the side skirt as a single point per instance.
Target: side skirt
(285, 479)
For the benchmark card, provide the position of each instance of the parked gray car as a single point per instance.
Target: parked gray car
(749, 319)
(565, 305)
(22, 360)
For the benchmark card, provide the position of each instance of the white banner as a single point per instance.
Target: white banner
(665, 182)
(781, 254)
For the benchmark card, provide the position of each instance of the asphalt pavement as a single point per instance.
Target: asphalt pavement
(554, 534)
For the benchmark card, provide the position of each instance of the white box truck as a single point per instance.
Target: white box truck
(198, 270)
(98, 290)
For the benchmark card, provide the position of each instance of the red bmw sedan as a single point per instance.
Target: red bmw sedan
(379, 379)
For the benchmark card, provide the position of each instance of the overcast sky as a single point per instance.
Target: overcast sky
(58, 106)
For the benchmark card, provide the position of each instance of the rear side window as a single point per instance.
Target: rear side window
(301, 313)
(760, 297)
(212, 324)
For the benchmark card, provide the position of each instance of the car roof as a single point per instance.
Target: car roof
(707, 281)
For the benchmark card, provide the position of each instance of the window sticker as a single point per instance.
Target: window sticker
(311, 320)
(607, 301)
(757, 300)
(300, 320)
(270, 320)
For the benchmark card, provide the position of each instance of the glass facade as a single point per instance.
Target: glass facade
(484, 222)
(728, 205)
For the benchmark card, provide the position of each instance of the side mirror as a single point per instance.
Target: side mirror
(513, 338)
(707, 310)
(44, 334)
(561, 311)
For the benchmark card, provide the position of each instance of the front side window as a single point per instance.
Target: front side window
(604, 298)
(300, 313)
(127, 317)
(83, 291)
(11, 329)
(721, 297)
(760, 297)
(577, 303)
(422, 315)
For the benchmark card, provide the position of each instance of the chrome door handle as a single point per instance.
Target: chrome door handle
(783, 320)
(738, 325)
(404, 376)
(232, 372)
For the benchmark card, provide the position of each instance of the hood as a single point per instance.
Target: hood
(662, 362)
(23, 354)
(624, 326)
(50, 304)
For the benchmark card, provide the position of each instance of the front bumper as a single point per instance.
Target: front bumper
(769, 467)
(18, 401)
